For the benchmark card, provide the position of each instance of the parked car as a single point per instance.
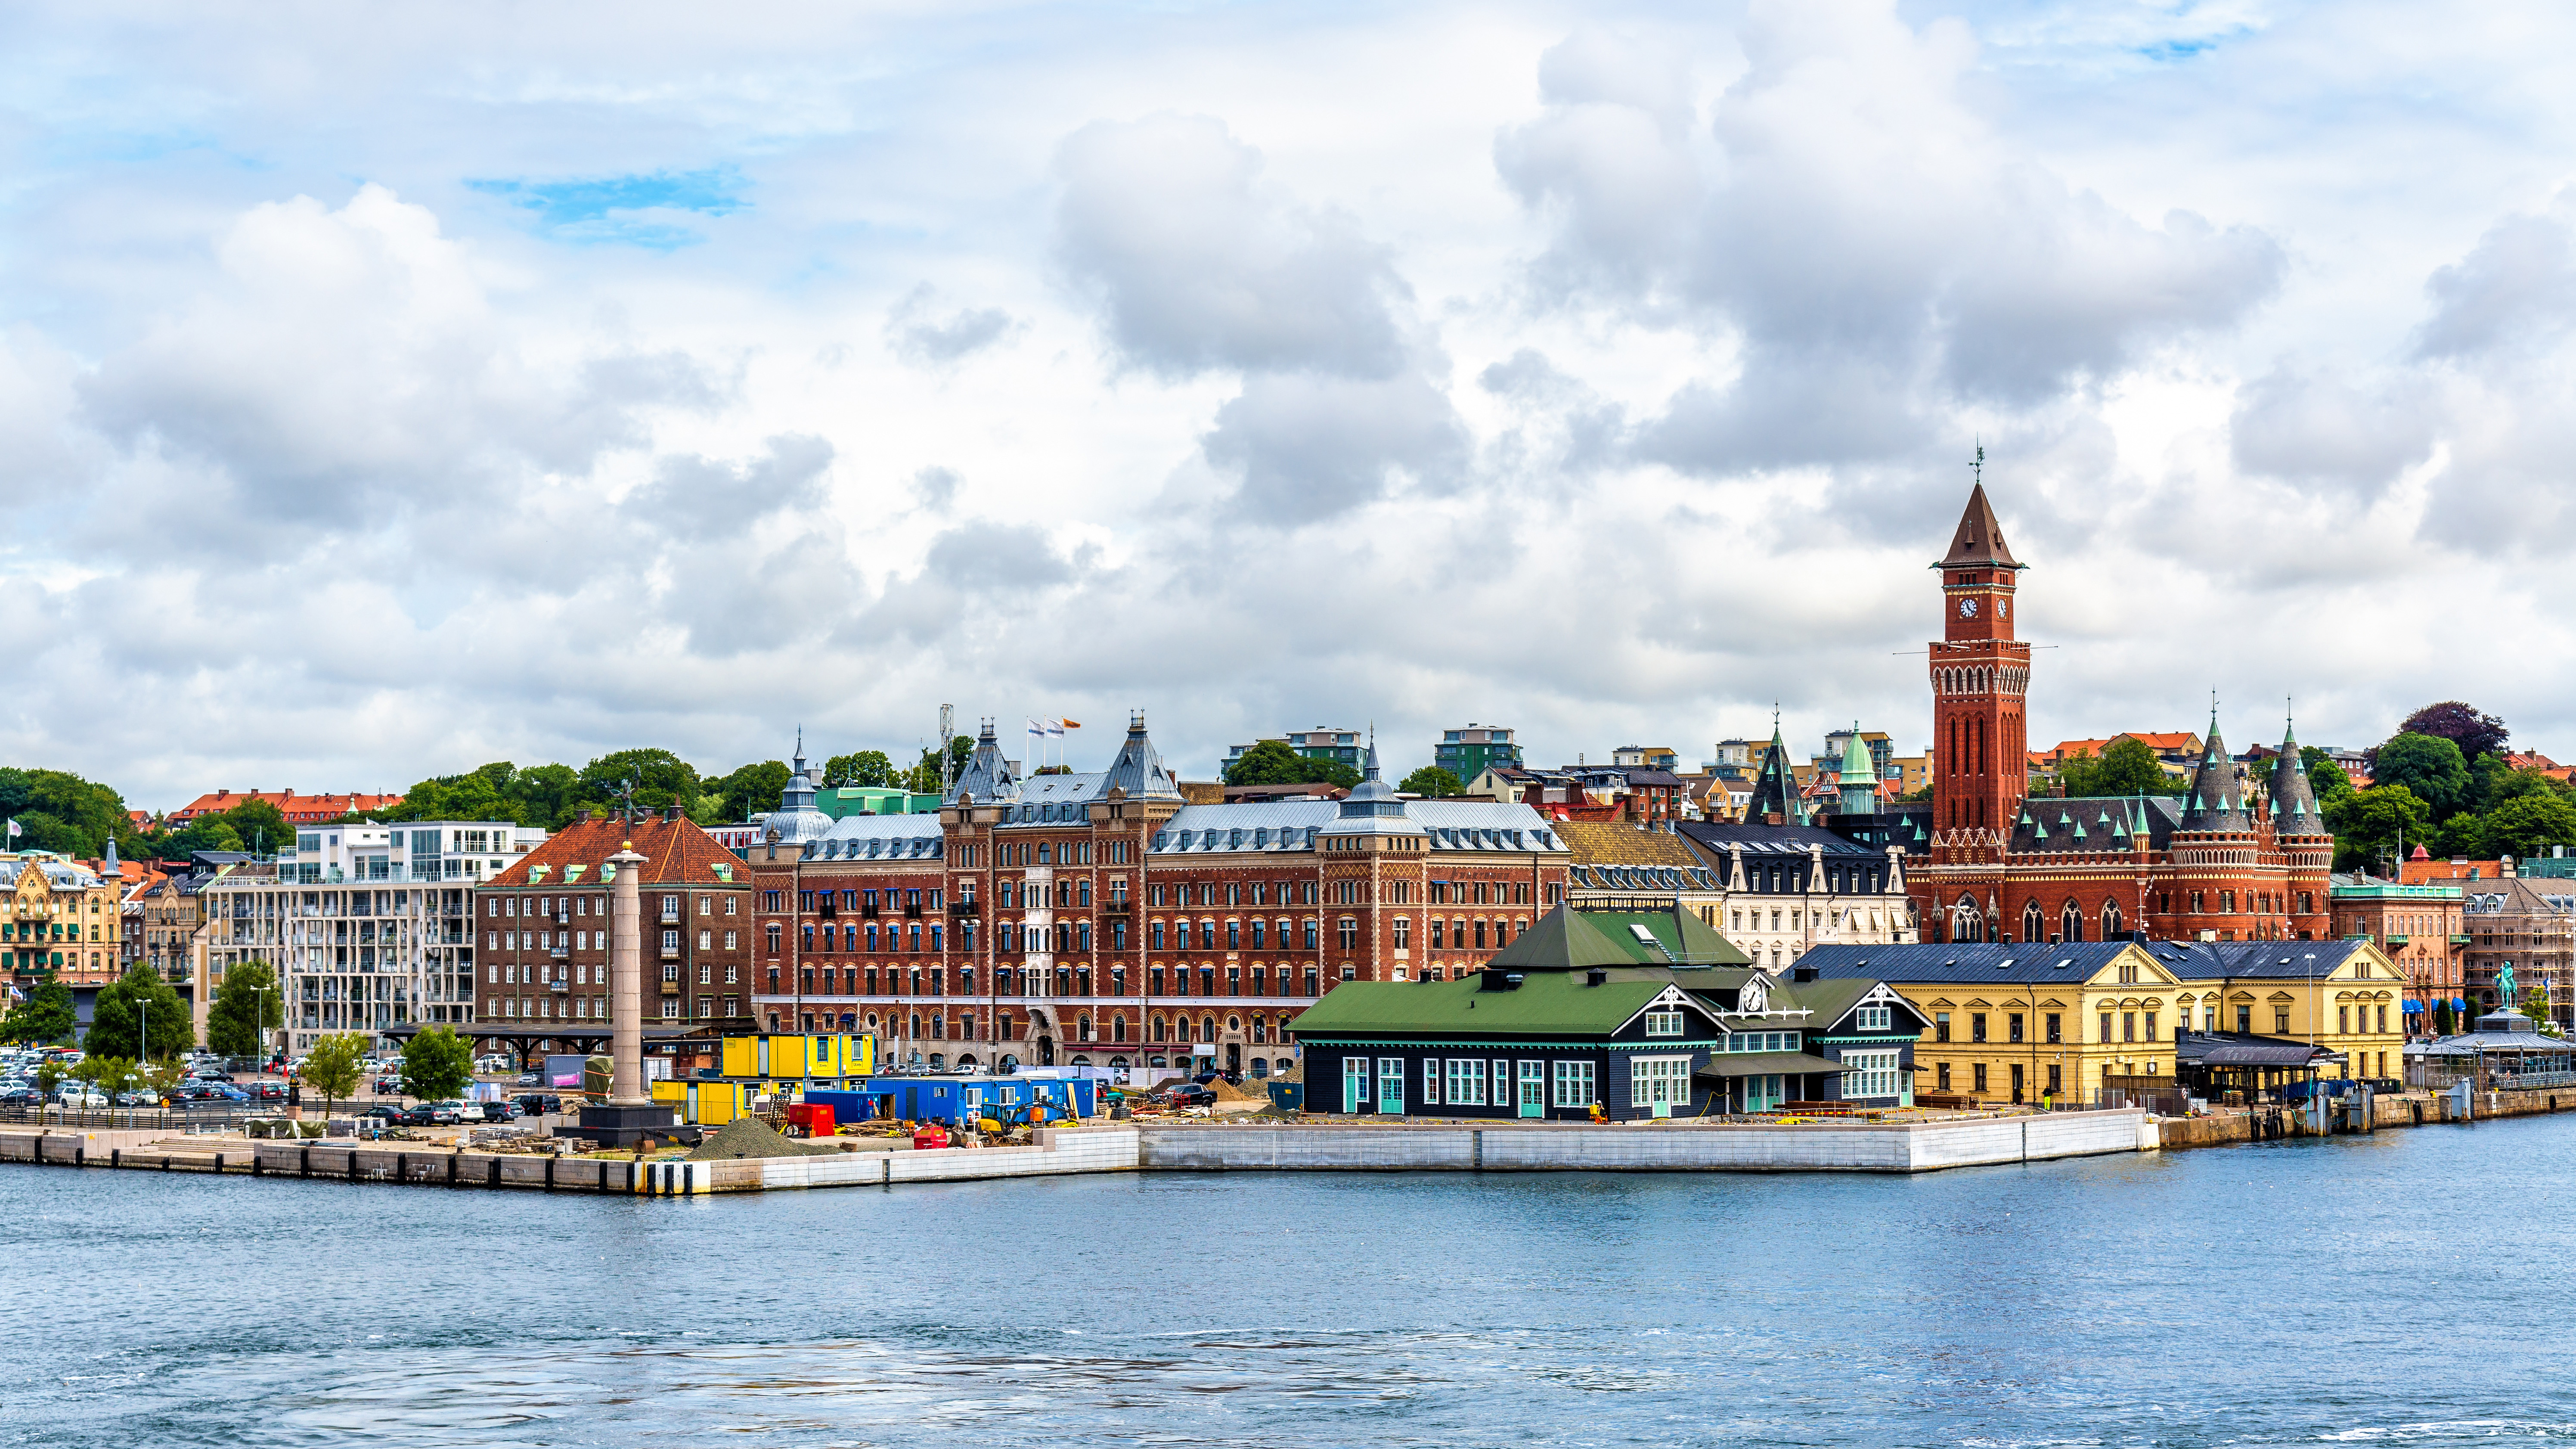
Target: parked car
(530, 1079)
(266, 1091)
(139, 1098)
(434, 1114)
(388, 1086)
(493, 1112)
(79, 1096)
(209, 1074)
(537, 1104)
(383, 1112)
(1188, 1094)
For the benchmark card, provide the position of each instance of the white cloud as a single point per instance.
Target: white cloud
(1607, 372)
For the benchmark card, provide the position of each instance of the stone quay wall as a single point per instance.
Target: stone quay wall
(1511, 1147)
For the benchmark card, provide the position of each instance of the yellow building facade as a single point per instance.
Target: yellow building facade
(59, 918)
(2033, 1022)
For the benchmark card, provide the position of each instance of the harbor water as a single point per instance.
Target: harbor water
(2407, 1288)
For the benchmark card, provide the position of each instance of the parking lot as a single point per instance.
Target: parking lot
(218, 1093)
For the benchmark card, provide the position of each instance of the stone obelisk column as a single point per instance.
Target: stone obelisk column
(626, 983)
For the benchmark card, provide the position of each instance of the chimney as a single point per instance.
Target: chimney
(1596, 977)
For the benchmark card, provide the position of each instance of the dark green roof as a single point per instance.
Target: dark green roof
(1566, 939)
(1547, 1003)
(1762, 1064)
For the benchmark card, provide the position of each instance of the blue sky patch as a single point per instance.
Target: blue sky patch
(624, 210)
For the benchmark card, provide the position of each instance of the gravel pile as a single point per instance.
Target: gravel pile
(751, 1137)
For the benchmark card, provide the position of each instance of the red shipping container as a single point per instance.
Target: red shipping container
(815, 1118)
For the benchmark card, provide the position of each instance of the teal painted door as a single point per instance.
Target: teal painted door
(1355, 1084)
(1533, 1089)
(1390, 1085)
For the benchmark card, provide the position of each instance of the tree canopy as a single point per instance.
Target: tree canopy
(244, 1005)
(60, 811)
(750, 789)
(2126, 767)
(1433, 782)
(867, 767)
(437, 1064)
(2476, 734)
(44, 1017)
(1272, 762)
(2370, 824)
(334, 1065)
(2427, 765)
(137, 1002)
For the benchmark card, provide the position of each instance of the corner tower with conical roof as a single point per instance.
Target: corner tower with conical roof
(1775, 790)
(1858, 781)
(1980, 682)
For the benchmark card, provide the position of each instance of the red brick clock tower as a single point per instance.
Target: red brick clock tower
(1980, 680)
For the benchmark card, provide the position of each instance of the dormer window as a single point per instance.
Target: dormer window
(1663, 1023)
(1871, 1018)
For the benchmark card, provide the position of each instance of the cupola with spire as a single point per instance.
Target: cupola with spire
(2216, 801)
(988, 778)
(2294, 798)
(1775, 790)
(1859, 781)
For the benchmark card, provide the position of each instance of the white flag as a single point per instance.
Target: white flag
(14, 830)
(1055, 726)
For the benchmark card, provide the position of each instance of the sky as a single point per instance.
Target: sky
(389, 390)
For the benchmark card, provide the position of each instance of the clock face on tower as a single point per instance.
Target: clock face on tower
(2003, 608)
(1967, 608)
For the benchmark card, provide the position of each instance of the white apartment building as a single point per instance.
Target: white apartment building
(369, 926)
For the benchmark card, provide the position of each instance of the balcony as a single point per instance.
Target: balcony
(670, 988)
(671, 951)
(2460, 940)
(559, 986)
(912, 912)
(2395, 939)
(1118, 907)
(965, 906)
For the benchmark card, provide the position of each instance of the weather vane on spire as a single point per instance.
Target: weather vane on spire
(1977, 466)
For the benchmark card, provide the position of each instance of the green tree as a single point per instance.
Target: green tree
(1272, 762)
(1431, 781)
(246, 1007)
(2326, 779)
(2126, 767)
(2528, 825)
(2368, 824)
(436, 1064)
(752, 789)
(109, 1074)
(120, 1015)
(60, 811)
(661, 780)
(334, 1066)
(2429, 766)
(923, 777)
(867, 767)
(44, 1016)
(49, 1075)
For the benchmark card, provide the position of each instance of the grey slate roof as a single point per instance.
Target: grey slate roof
(1283, 825)
(2253, 960)
(2216, 801)
(2094, 822)
(1963, 964)
(1759, 841)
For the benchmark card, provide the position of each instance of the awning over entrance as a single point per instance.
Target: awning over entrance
(1764, 1064)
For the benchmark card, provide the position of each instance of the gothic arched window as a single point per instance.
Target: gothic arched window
(2070, 922)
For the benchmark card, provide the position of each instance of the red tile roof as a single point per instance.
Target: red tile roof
(676, 852)
(298, 809)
